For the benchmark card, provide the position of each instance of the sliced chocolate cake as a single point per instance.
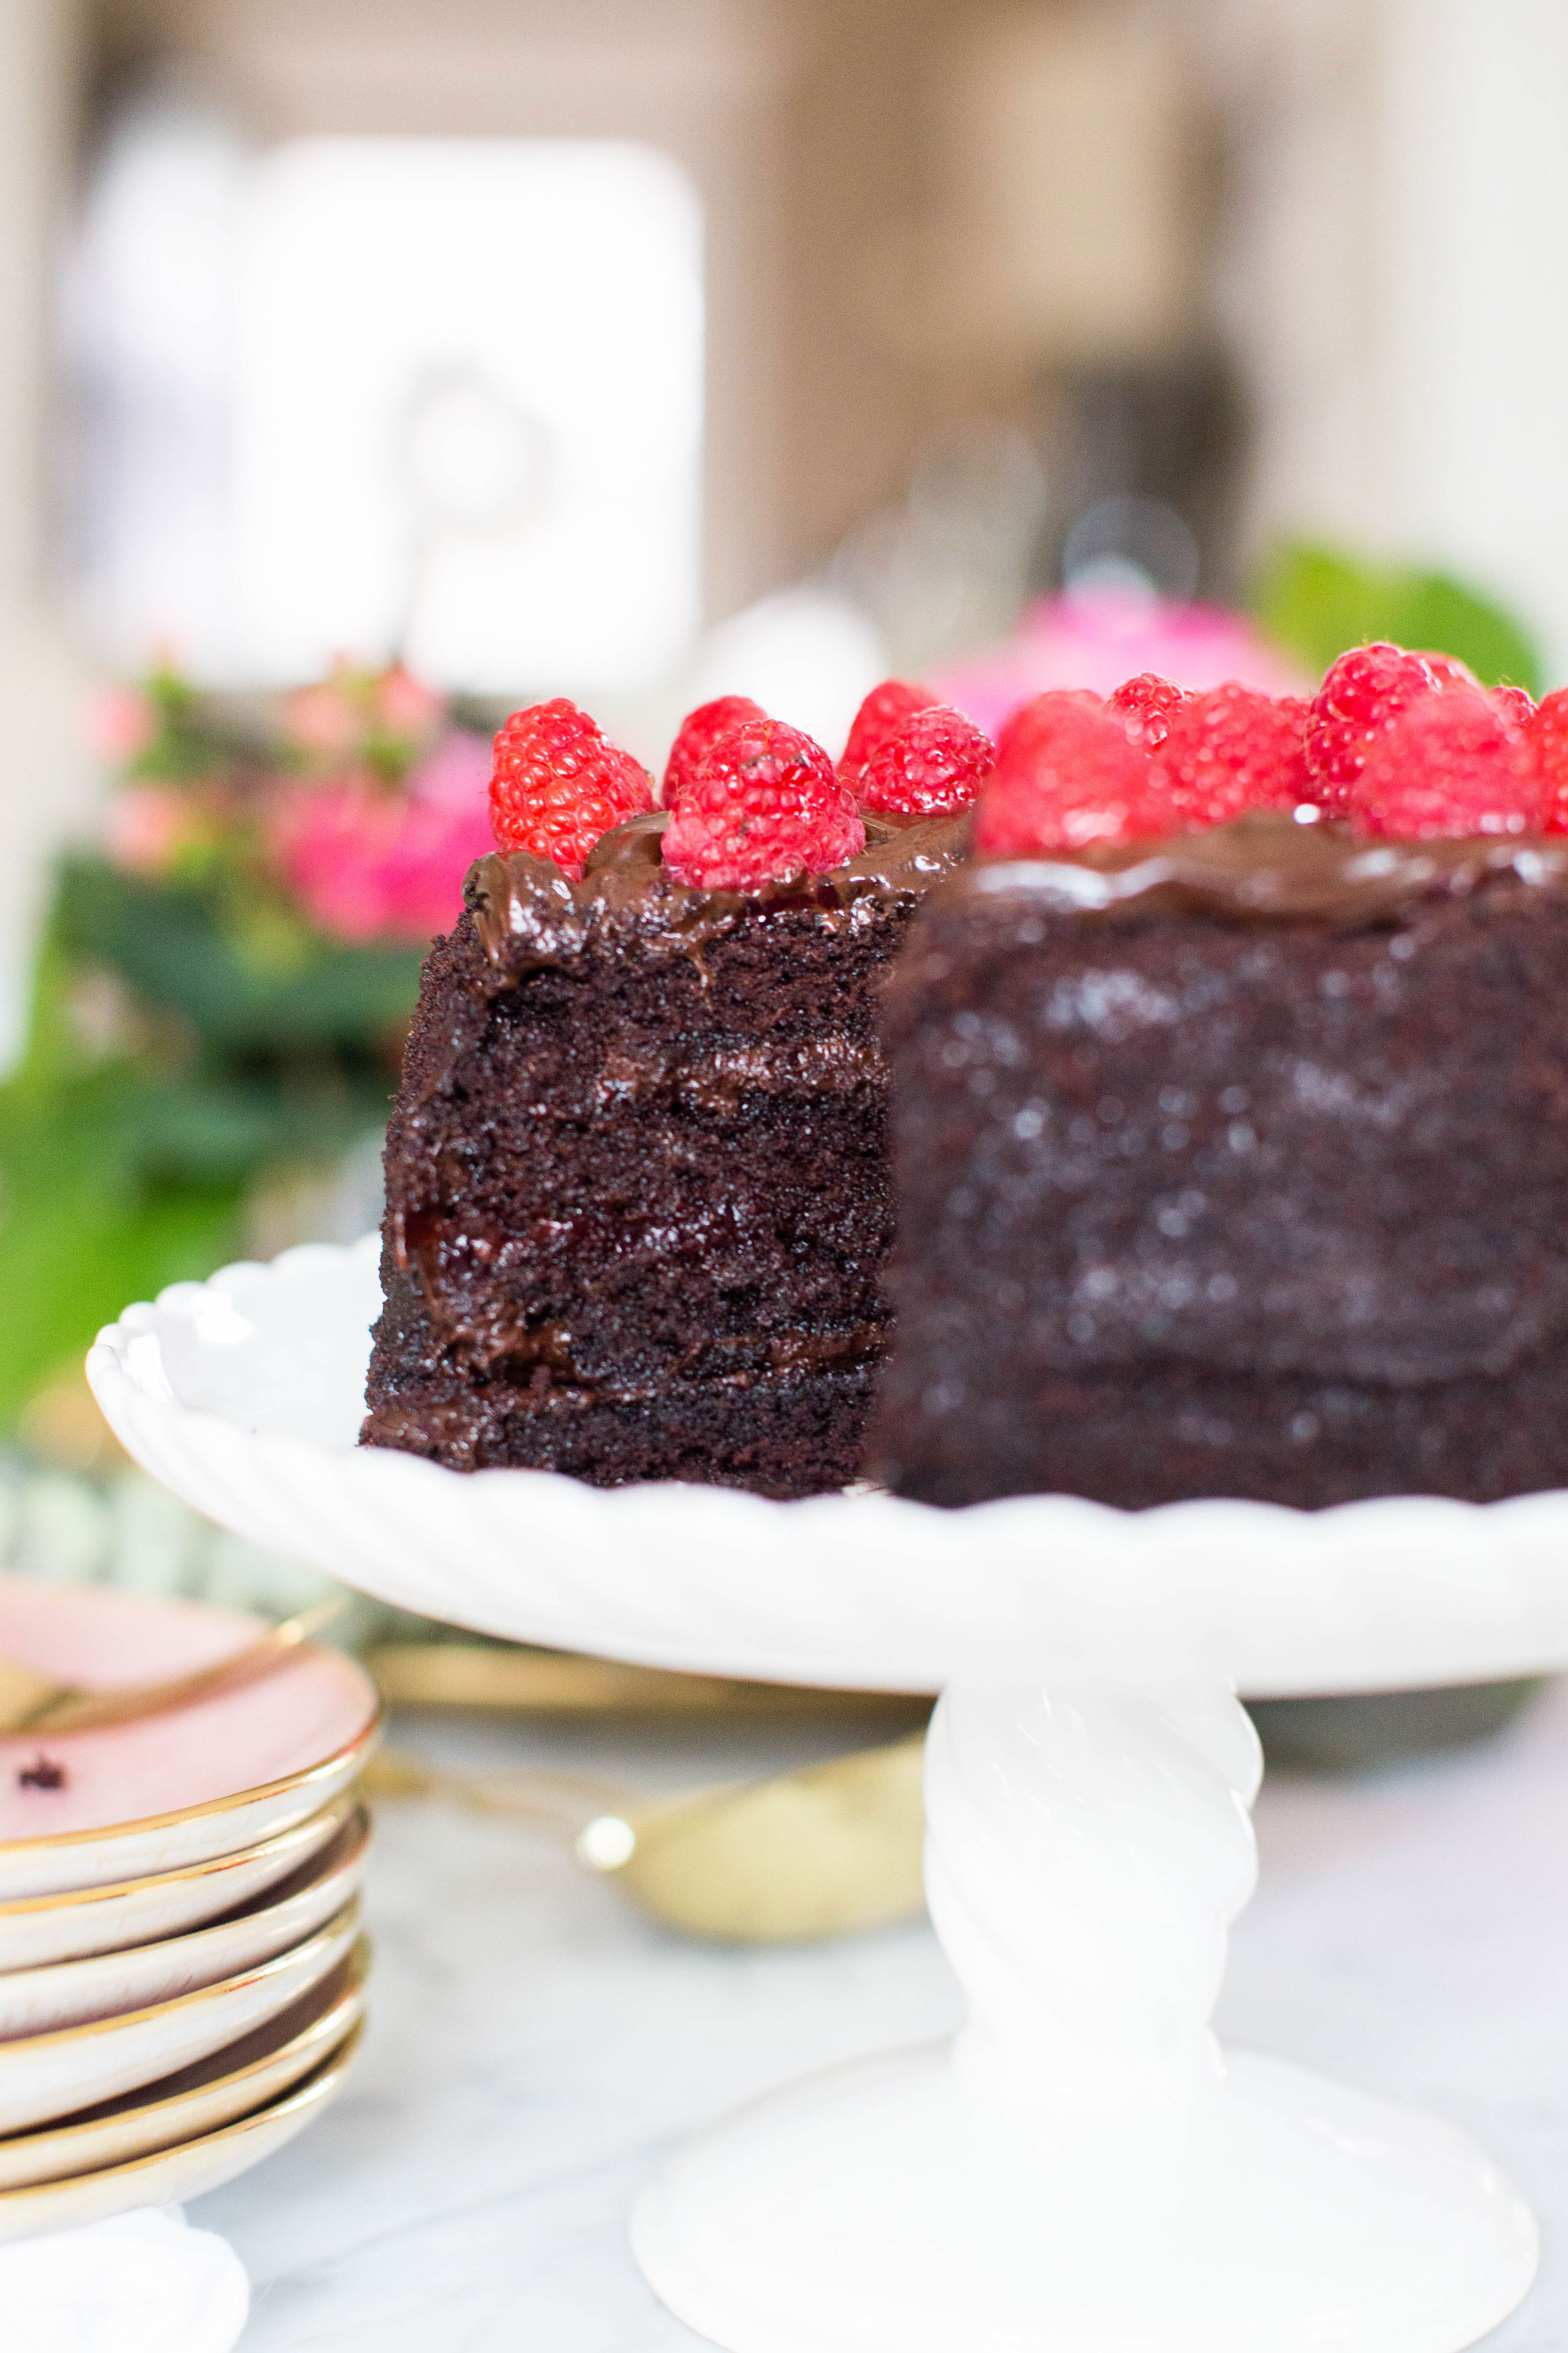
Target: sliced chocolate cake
(1234, 1164)
(637, 1195)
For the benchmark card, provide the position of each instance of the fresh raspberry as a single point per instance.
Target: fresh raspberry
(700, 731)
(1515, 705)
(881, 714)
(765, 805)
(1450, 670)
(1233, 749)
(1071, 777)
(1146, 705)
(1546, 748)
(932, 767)
(1034, 722)
(1361, 694)
(559, 783)
(1449, 764)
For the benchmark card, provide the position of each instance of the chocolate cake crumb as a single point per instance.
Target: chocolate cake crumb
(43, 1773)
(637, 1176)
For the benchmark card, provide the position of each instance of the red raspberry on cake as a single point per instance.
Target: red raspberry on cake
(1230, 750)
(1361, 693)
(1450, 670)
(1035, 722)
(1450, 764)
(1067, 778)
(884, 711)
(559, 783)
(1546, 749)
(1516, 706)
(933, 767)
(1145, 706)
(700, 731)
(765, 805)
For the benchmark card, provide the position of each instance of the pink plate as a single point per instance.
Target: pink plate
(164, 1791)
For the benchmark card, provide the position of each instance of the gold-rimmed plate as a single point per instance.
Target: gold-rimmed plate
(169, 2176)
(36, 1930)
(69, 1993)
(51, 2075)
(175, 1790)
(233, 2083)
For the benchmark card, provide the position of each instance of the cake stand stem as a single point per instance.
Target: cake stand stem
(1080, 2170)
(1085, 1853)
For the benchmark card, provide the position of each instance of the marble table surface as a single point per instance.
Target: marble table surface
(536, 2044)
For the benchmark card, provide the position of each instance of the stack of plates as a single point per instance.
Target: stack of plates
(182, 1972)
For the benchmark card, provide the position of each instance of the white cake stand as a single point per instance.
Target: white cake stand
(1082, 2170)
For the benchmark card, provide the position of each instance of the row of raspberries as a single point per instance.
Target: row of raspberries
(1401, 746)
(749, 800)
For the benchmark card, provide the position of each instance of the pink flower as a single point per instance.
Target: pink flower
(1100, 637)
(370, 864)
(321, 718)
(405, 707)
(456, 774)
(120, 722)
(146, 827)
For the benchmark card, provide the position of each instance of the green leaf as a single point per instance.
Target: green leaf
(1315, 601)
(249, 976)
(78, 1239)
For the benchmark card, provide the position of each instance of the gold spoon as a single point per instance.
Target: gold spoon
(520, 1677)
(32, 1703)
(813, 1852)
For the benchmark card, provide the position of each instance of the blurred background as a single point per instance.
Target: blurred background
(370, 366)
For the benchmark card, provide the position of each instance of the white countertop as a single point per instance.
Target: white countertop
(534, 2043)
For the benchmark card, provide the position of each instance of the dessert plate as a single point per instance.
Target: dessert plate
(48, 2075)
(242, 2077)
(1083, 2166)
(175, 1789)
(37, 2002)
(172, 2175)
(37, 1929)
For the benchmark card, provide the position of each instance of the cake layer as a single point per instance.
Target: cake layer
(638, 1195)
(783, 1433)
(1235, 1166)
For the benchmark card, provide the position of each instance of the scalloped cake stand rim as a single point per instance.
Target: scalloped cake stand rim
(862, 1588)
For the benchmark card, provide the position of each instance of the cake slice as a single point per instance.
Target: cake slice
(1235, 1164)
(637, 1191)
(1235, 1161)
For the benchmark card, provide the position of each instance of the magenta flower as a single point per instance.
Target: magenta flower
(366, 863)
(1100, 637)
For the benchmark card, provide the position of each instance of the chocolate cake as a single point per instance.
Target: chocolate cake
(638, 1193)
(1233, 1164)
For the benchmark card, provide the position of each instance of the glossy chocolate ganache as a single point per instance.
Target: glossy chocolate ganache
(527, 912)
(637, 1176)
(1271, 866)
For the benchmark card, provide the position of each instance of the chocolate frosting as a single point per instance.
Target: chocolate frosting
(528, 913)
(1270, 867)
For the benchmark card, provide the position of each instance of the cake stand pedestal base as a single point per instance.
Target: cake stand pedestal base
(1081, 2171)
(878, 2208)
